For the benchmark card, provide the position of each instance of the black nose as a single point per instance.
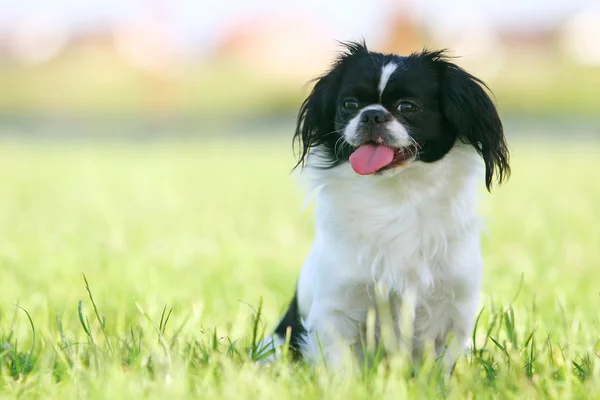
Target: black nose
(375, 117)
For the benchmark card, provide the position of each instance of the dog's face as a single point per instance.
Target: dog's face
(381, 113)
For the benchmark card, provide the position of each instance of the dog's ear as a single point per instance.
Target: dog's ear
(316, 118)
(471, 114)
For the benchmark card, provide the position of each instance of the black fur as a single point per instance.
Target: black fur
(292, 320)
(453, 105)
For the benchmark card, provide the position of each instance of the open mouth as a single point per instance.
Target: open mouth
(370, 158)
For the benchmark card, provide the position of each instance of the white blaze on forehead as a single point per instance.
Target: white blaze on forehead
(387, 71)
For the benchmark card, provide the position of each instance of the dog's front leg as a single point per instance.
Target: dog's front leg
(332, 340)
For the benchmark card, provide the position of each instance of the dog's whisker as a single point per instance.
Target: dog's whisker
(335, 150)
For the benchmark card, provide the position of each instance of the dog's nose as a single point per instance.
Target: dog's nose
(375, 117)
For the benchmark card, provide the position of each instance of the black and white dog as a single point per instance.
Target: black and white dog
(394, 148)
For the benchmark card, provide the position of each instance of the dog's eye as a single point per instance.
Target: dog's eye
(350, 104)
(406, 107)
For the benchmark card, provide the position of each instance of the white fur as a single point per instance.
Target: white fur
(386, 73)
(412, 231)
(397, 131)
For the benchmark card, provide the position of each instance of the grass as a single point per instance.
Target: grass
(130, 272)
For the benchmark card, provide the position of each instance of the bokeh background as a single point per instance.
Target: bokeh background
(160, 68)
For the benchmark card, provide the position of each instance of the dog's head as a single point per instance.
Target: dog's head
(383, 112)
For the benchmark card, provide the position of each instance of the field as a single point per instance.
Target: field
(180, 243)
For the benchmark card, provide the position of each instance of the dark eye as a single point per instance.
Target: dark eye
(406, 107)
(350, 104)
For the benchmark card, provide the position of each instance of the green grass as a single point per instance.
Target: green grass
(179, 243)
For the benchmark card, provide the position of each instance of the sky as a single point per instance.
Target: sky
(202, 20)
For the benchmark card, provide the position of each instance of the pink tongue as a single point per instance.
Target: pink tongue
(370, 158)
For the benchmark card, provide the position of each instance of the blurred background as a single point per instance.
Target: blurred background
(158, 68)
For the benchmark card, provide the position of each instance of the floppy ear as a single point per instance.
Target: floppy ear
(316, 118)
(470, 112)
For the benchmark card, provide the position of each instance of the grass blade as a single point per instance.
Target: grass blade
(88, 332)
(101, 320)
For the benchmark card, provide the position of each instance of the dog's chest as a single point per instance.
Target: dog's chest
(396, 244)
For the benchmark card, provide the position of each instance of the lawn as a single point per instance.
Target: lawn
(180, 243)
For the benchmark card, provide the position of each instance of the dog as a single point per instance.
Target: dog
(395, 149)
